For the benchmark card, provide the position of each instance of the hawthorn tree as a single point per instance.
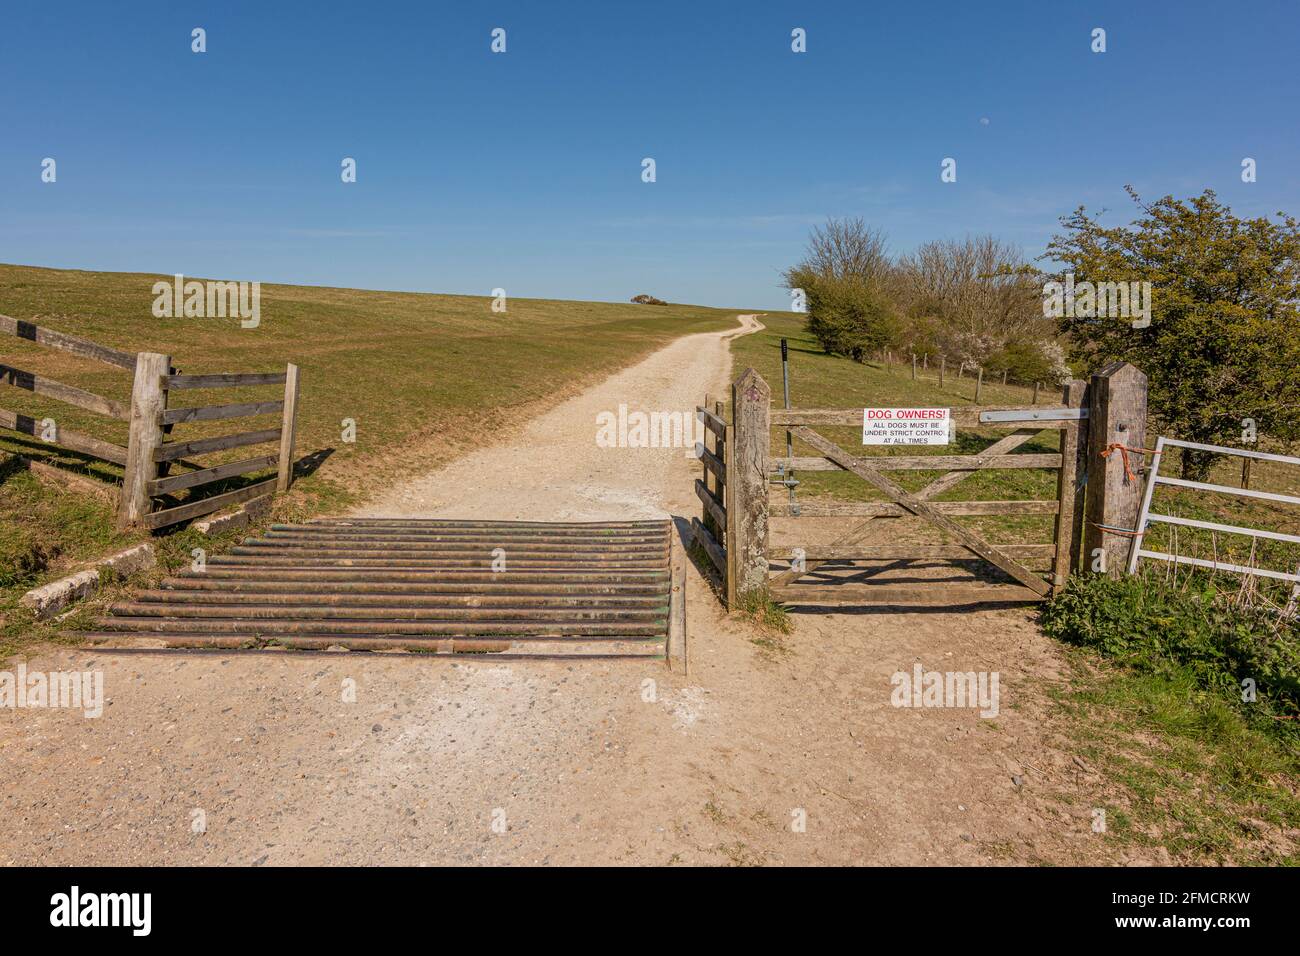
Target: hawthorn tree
(844, 276)
(1223, 343)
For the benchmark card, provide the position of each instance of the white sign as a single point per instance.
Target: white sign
(906, 426)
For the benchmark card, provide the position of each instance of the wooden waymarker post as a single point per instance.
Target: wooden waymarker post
(979, 384)
(1036, 386)
(1117, 414)
(914, 366)
(148, 402)
(943, 361)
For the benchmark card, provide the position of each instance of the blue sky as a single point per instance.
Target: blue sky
(523, 170)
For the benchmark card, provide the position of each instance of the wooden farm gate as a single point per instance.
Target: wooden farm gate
(738, 476)
(151, 463)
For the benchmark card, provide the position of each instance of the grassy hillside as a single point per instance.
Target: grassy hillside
(424, 377)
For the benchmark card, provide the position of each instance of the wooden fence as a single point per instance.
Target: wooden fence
(149, 456)
(150, 452)
(735, 487)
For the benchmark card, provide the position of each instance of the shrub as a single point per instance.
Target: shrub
(1155, 627)
(1029, 361)
(847, 316)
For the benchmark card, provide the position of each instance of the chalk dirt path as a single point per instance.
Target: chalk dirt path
(258, 759)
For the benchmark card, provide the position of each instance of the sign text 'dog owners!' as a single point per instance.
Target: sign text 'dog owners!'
(906, 426)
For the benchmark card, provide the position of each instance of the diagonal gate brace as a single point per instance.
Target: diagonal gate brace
(863, 531)
(920, 508)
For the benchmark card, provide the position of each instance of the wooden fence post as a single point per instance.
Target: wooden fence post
(675, 647)
(751, 405)
(722, 448)
(729, 505)
(1070, 486)
(1117, 415)
(914, 366)
(288, 428)
(148, 402)
(979, 384)
(943, 361)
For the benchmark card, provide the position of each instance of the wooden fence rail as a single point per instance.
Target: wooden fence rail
(67, 394)
(174, 383)
(73, 441)
(67, 343)
(212, 413)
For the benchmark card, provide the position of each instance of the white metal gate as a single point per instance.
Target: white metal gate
(1146, 516)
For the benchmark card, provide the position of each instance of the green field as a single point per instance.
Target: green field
(424, 377)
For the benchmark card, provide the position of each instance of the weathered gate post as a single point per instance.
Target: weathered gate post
(1070, 485)
(288, 428)
(148, 401)
(1117, 415)
(751, 403)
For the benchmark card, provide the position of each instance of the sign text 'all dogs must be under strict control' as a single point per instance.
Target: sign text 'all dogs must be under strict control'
(906, 426)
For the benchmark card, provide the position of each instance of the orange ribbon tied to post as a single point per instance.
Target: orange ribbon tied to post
(1124, 452)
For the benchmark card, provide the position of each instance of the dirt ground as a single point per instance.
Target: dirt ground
(259, 758)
